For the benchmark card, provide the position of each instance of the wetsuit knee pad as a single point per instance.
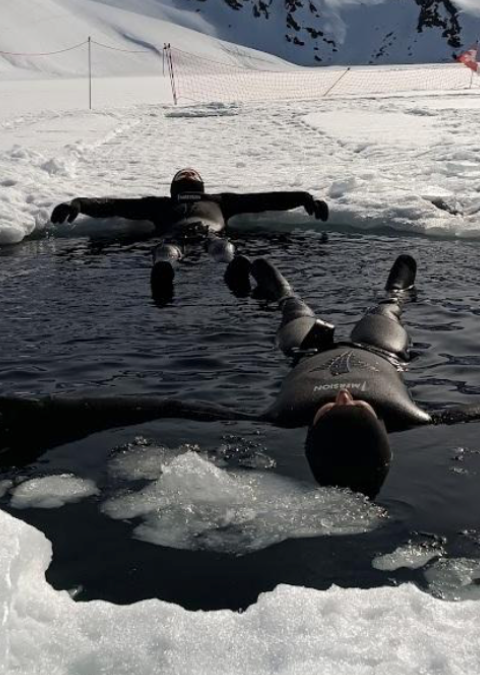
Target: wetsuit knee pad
(378, 330)
(166, 253)
(221, 250)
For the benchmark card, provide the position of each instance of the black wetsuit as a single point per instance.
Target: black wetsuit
(187, 218)
(365, 366)
(174, 215)
(367, 375)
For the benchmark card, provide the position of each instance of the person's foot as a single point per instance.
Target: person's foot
(272, 285)
(161, 281)
(402, 274)
(237, 275)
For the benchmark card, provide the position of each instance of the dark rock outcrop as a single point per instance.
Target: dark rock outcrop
(307, 34)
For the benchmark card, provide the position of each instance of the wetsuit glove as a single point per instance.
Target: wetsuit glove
(321, 210)
(317, 208)
(66, 211)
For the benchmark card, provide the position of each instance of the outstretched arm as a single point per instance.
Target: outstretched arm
(144, 208)
(233, 204)
(30, 426)
(467, 413)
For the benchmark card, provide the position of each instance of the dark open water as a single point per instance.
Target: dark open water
(78, 318)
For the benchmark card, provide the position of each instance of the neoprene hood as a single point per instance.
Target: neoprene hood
(186, 180)
(348, 447)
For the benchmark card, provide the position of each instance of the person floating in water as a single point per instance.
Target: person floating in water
(189, 215)
(349, 395)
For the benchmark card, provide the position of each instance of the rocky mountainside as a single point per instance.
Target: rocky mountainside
(313, 32)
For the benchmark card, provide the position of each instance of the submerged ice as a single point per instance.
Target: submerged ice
(190, 503)
(454, 579)
(187, 499)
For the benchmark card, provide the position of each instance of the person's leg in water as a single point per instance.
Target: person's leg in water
(167, 254)
(164, 257)
(300, 331)
(381, 326)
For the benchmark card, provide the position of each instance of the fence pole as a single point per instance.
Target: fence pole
(89, 72)
(336, 82)
(477, 43)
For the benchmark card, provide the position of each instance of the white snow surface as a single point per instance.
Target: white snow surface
(378, 162)
(290, 630)
(52, 41)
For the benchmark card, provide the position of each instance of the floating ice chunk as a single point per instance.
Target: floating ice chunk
(454, 579)
(411, 555)
(197, 505)
(51, 492)
(140, 460)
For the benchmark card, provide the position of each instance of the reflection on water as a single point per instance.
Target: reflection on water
(79, 318)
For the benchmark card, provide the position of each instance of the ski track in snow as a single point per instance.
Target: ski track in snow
(418, 153)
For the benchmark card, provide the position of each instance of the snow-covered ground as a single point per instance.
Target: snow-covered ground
(291, 630)
(406, 162)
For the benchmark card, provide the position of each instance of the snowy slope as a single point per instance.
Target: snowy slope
(309, 33)
(136, 31)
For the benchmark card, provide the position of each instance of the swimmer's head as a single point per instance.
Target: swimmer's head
(347, 446)
(186, 180)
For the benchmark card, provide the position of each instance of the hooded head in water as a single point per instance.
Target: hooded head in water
(186, 180)
(347, 446)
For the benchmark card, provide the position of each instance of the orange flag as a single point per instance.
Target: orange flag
(469, 58)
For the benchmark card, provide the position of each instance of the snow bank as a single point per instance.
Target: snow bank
(291, 630)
